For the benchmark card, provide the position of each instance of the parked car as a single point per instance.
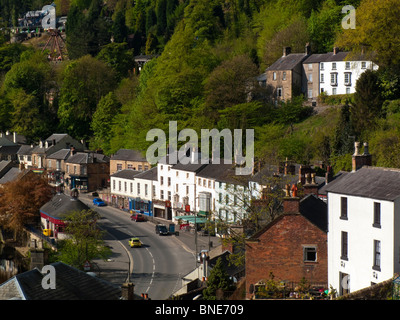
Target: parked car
(161, 229)
(138, 217)
(135, 242)
(98, 202)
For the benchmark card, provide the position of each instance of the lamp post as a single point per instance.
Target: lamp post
(195, 219)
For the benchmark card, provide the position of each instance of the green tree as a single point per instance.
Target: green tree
(218, 280)
(118, 57)
(103, 119)
(119, 28)
(368, 102)
(85, 82)
(86, 242)
(376, 32)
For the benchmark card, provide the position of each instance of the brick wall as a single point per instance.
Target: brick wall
(280, 250)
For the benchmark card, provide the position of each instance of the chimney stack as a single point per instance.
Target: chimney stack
(308, 49)
(335, 50)
(310, 186)
(360, 160)
(286, 51)
(128, 291)
(291, 203)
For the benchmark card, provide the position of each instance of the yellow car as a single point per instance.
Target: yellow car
(135, 242)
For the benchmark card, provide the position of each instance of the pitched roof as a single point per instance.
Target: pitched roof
(10, 175)
(87, 157)
(288, 62)
(60, 154)
(311, 208)
(369, 182)
(71, 284)
(61, 205)
(148, 174)
(331, 57)
(128, 155)
(126, 174)
(25, 149)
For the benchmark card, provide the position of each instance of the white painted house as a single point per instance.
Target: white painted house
(333, 73)
(364, 224)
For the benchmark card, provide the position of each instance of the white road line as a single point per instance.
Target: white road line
(154, 270)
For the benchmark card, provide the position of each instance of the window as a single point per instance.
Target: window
(347, 78)
(377, 215)
(274, 76)
(343, 208)
(333, 65)
(322, 66)
(199, 182)
(125, 186)
(220, 197)
(363, 65)
(310, 66)
(310, 254)
(146, 168)
(169, 181)
(348, 91)
(322, 77)
(334, 91)
(162, 194)
(309, 93)
(154, 191)
(130, 166)
(140, 167)
(119, 185)
(347, 65)
(377, 255)
(119, 166)
(278, 92)
(138, 188)
(131, 187)
(310, 77)
(187, 190)
(161, 180)
(284, 75)
(49, 163)
(169, 195)
(187, 175)
(333, 79)
(113, 184)
(176, 187)
(146, 189)
(344, 255)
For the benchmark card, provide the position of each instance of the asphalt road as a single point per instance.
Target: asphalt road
(157, 267)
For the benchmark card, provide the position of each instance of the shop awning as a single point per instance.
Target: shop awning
(192, 219)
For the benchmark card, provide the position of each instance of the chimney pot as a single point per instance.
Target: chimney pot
(366, 151)
(335, 50)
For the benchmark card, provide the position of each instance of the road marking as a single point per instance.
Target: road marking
(154, 270)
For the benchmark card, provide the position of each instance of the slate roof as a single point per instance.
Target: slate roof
(10, 175)
(62, 154)
(128, 155)
(71, 284)
(311, 208)
(87, 157)
(369, 182)
(25, 150)
(331, 57)
(126, 174)
(288, 62)
(148, 174)
(61, 205)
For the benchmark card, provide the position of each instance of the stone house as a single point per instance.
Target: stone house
(292, 246)
(128, 159)
(285, 76)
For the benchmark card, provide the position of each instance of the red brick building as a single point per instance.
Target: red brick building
(292, 246)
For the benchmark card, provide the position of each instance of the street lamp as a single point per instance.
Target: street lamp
(195, 219)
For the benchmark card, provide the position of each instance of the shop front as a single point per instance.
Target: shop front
(141, 206)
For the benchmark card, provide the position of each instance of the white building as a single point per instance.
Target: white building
(364, 224)
(333, 73)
